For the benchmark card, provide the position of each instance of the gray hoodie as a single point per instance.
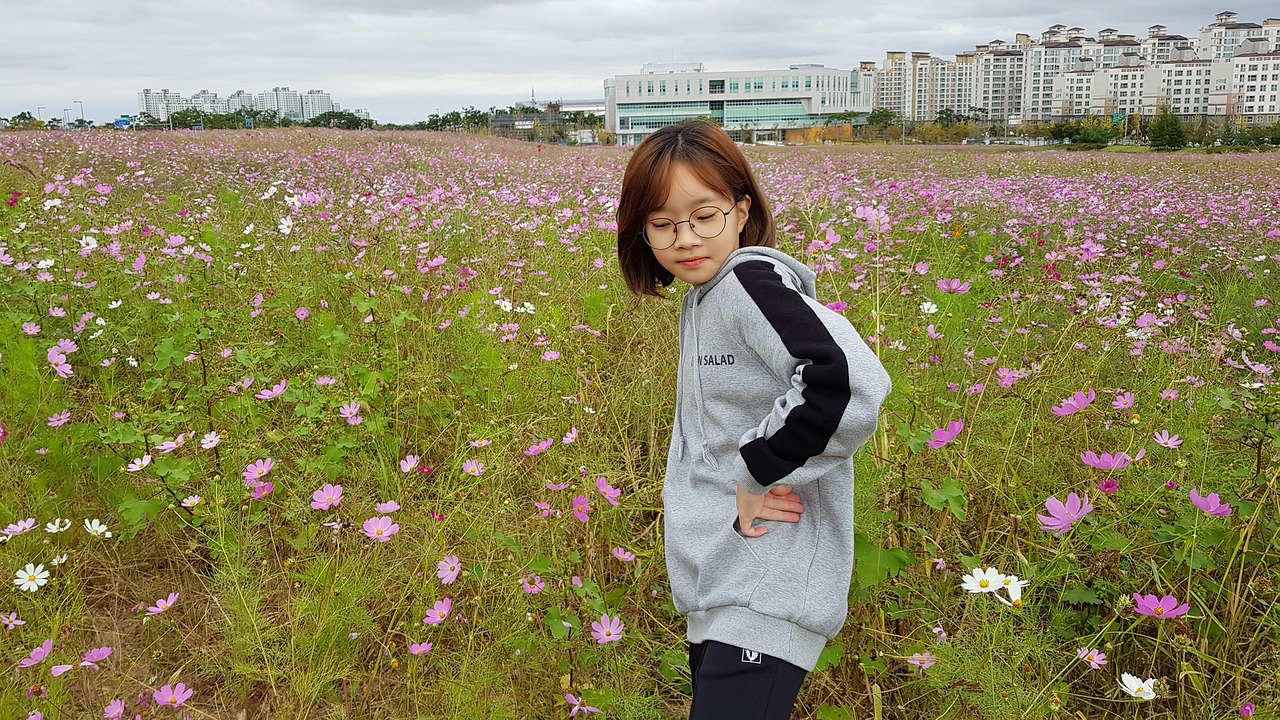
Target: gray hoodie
(773, 388)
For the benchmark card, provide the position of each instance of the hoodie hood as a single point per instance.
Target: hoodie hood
(804, 279)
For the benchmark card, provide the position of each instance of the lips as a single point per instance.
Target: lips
(692, 262)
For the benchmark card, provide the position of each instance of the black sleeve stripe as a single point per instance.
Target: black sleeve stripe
(808, 426)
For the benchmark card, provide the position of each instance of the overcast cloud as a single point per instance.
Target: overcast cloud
(405, 59)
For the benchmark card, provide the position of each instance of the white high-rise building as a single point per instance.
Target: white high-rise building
(287, 103)
(291, 104)
(316, 102)
(160, 104)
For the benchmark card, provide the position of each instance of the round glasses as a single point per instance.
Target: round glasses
(705, 222)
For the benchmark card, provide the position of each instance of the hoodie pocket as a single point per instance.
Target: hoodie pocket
(708, 562)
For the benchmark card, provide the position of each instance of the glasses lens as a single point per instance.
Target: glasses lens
(707, 222)
(660, 233)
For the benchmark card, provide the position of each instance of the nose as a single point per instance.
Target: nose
(689, 236)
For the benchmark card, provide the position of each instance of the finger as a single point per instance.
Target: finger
(781, 490)
(754, 531)
(779, 516)
(786, 505)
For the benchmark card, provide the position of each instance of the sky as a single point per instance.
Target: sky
(405, 59)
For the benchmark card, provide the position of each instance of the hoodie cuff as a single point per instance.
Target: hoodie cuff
(745, 480)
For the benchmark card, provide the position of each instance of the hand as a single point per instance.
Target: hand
(781, 503)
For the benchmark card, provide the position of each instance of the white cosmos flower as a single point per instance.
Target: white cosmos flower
(58, 525)
(139, 463)
(928, 308)
(1137, 687)
(31, 578)
(96, 528)
(1014, 586)
(247, 230)
(983, 580)
(58, 560)
(114, 304)
(191, 501)
(210, 440)
(286, 225)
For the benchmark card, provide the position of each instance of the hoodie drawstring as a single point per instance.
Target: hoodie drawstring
(697, 384)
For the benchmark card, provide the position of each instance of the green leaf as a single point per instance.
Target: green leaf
(830, 657)
(540, 564)
(869, 666)
(167, 355)
(949, 496)
(1106, 539)
(1081, 595)
(874, 564)
(121, 434)
(405, 316)
(136, 512)
(555, 623)
(831, 712)
(507, 542)
(152, 386)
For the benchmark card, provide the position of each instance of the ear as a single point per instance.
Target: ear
(744, 209)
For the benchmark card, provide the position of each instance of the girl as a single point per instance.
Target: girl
(775, 392)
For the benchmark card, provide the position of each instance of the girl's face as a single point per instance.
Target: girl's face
(692, 258)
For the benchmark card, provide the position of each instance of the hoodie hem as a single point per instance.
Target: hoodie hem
(745, 628)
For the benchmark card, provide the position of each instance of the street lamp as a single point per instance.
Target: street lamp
(39, 115)
(81, 104)
(66, 117)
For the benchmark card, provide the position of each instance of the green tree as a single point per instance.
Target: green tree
(949, 118)
(25, 121)
(882, 118)
(1166, 132)
(341, 119)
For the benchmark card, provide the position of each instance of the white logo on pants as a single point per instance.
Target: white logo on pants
(750, 656)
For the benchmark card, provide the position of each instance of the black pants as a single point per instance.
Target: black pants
(730, 682)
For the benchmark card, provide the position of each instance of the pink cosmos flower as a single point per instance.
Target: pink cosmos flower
(326, 497)
(262, 489)
(11, 621)
(1062, 516)
(323, 381)
(1164, 608)
(420, 648)
(1169, 395)
(20, 527)
(439, 612)
(1110, 487)
(389, 506)
(579, 706)
(607, 629)
(91, 659)
(1096, 658)
(1075, 403)
(623, 555)
(169, 446)
(1123, 401)
(474, 468)
(37, 655)
(924, 661)
(409, 462)
(447, 569)
(349, 411)
(30, 328)
(114, 710)
(1164, 439)
(533, 586)
(540, 448)
(258, 469)
(380, 528)
(302, 314)
(1247, 710)
(953, 285)
(272, 394)
(4, 432)
(162, 604)
(557, 486)
(479, 443)
(550, 355)
(1211, 505)
(609, 492)
(569, 437)
(942, 437)
(582, 508)
(1107, 461)
(173, 696)
(59, 419)
(933, 333)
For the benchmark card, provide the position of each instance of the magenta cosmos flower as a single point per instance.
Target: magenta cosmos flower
(162, 604)
(953, 285)
(274, 392)
(1211, 505)
(1164, 608)
(420, 648)
(540, 448)
(1094, 657)
(943, 436)
(447, 569)
(37, 655)
(1064, 515)
(258, 469)
(580, 706)
(1107, 461)
(326, 497)
(380, 528)
(91, 659)
(1075, 403)
(173, 696)
(582, 508)
(607, 629)
(439, 612)
(609, 492)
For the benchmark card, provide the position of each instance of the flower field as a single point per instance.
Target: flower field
(319, 424)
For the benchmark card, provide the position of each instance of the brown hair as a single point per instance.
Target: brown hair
(713, 158)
